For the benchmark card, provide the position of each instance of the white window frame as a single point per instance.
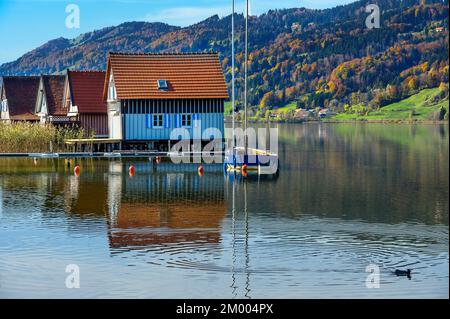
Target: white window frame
(43, 105)
(161, 120)
(4, 106)
(112, 93)
(186, 115)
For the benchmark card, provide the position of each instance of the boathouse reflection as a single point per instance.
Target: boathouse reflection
(165, 204)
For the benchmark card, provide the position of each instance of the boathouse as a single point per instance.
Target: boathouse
(149, 95)
(50, 106)
(18, 98)
(83, 100)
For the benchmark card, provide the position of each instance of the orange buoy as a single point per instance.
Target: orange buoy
(77, 170)
(200, 170)
(244, 170)
(131, 170)
(158, 159)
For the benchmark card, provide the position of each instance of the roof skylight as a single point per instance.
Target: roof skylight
(163, 85)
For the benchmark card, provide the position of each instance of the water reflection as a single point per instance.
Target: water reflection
(239, 246)
(346, 196)
(163, 207)
(378, 173)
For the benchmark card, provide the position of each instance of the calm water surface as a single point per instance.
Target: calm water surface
(347, 196)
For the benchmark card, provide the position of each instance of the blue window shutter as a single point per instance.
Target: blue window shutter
(149, 120)
(177, 120)
(196, 117)
(166, 120)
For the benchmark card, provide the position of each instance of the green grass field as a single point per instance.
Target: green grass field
(417, 107)
(288, 107)
(284, 109)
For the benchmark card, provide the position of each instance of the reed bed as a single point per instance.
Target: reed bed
(22, 137)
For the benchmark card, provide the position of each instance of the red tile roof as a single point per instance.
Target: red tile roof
(21, 93)
(189, 75)
(54, 91)
(86, 89)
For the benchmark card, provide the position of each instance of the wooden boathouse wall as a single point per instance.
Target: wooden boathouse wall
(94, 122)
(137, 113)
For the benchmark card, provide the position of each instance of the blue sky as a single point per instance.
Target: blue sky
(27, 24)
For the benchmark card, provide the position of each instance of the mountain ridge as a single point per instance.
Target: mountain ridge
(317, 57)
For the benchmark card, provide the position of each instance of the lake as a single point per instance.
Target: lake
(347, 196)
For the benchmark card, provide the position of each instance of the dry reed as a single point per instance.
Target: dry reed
(23, 137)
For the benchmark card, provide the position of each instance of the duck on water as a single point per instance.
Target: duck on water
(403, 273)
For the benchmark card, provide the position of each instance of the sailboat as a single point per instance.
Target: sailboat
(242, 158)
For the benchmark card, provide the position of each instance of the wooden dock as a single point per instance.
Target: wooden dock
(114, 154)
(108, 148)
(92, 145)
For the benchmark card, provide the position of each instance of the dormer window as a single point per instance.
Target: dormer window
(163, 85)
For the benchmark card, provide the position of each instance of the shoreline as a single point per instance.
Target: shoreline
(422, 122)
(426, 122)
(125, 154)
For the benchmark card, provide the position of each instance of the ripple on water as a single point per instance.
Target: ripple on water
(329, 249)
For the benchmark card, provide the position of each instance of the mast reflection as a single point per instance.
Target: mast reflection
(240, 259)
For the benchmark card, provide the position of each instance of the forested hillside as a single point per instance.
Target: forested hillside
(316, 58)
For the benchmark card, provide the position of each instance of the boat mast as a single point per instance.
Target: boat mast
(233, 101)
(246, 76)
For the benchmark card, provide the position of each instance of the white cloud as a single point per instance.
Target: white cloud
(184, 16)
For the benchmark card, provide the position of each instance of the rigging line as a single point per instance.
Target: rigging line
(246, 76)
(233, 101)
